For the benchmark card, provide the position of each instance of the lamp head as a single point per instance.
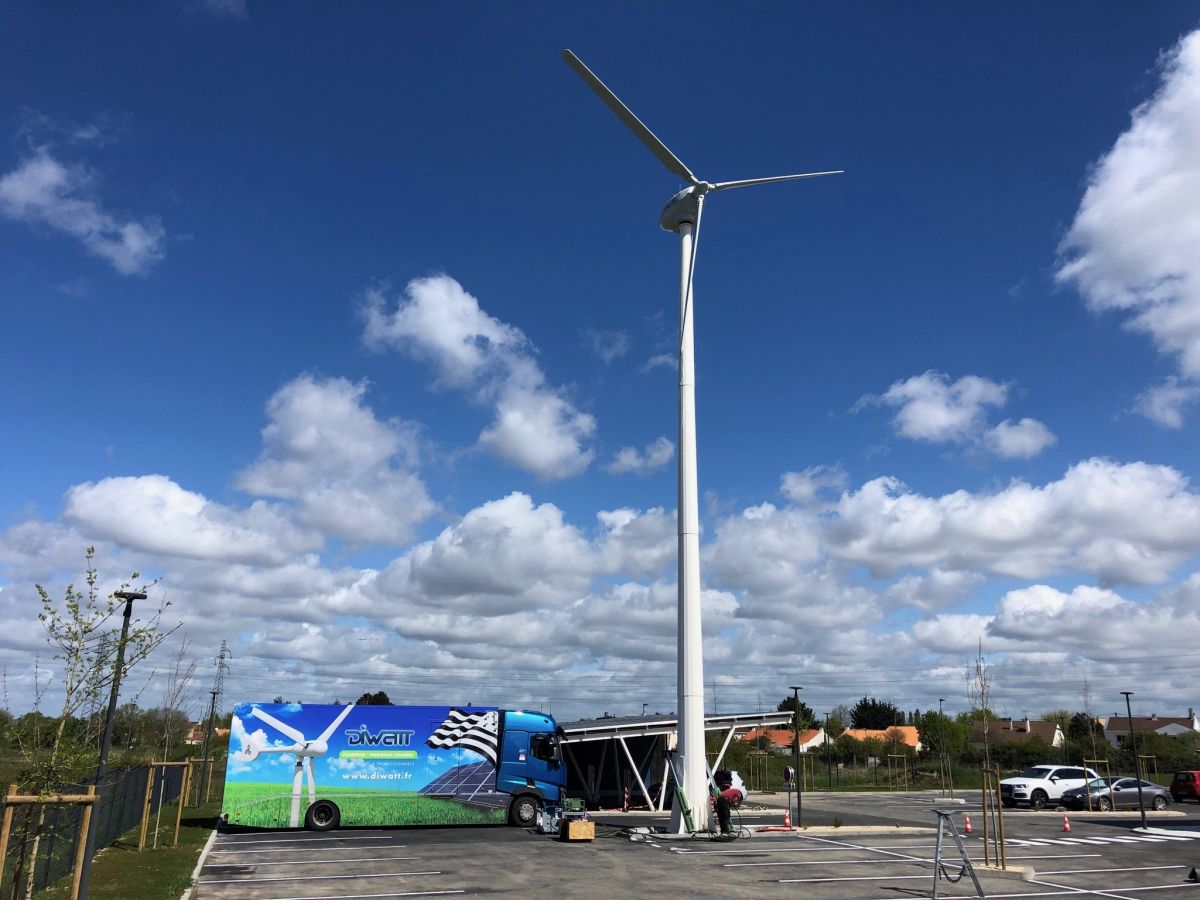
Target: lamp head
(130, 595)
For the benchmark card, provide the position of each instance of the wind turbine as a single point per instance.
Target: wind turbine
(682, 216)
(304, 749)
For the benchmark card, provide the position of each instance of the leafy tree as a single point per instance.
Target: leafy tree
(802, 715)
(838, 721)
(875, 714)
(379, 698)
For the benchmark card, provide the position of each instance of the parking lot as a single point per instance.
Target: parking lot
(1100, 857)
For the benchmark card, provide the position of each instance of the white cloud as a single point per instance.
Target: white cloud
(608, 345)
(1164, 403)
(661, 361)
(1129, 523)
(932, 408)
(628, 460)
(152, 514)
(223, 9)
(536, 428)
(935, 590)
(44, 191)
(804, 488)
(347, 471)
(1019, 440)
(1132, 245)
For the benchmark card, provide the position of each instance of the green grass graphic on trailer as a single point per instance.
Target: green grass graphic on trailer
(267, 806)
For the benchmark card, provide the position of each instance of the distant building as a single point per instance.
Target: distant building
(1015, 731)
(1116, 728)
(780, 739)
(905, 734)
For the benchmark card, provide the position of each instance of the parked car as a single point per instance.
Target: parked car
(1040, 786)
(1185, 785)
(1115, 792)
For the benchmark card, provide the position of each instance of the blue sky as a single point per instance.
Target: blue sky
(355, 325)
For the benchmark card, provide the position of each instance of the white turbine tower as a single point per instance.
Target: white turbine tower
(304, 749)
(682, 216)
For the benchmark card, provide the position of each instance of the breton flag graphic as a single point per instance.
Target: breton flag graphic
(471, 731)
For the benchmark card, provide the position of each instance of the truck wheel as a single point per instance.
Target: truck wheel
(523, 811)
(322, 816)
(1037, 800)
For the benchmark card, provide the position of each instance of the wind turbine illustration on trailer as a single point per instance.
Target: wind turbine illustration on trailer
(682, 216)
(304, 749)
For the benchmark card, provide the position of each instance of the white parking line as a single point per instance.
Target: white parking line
(310, 878)
(313, 840)
(1128, 869)
(389, 894)
(854, 878)
(323, 862)
(312, 849)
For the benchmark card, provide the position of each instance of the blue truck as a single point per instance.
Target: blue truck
(321, 766)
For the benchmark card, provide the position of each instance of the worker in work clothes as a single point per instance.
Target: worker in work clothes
(731, 793)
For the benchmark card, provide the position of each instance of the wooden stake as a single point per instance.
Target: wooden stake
(5, 829)
(81, 842)
(146, 807)
(183, 794)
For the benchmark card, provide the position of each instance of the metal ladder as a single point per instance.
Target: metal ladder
(946, 821)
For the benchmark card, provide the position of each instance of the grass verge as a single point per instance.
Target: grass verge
(120, 871)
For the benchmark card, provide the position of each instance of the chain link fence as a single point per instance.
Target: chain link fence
(44, 838)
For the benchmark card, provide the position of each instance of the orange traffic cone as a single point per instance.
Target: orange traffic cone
(967, 825)
(1066, 824)
(787, 818)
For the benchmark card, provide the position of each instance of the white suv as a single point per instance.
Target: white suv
(1039, 785)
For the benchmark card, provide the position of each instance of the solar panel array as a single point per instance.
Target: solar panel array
(474, 781)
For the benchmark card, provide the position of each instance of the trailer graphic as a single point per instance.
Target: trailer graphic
(321, 766)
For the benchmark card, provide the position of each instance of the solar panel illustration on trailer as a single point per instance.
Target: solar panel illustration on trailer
(473, 781)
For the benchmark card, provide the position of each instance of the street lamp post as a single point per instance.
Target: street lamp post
(1136, 769)
(85, 868)
(644, 705)
(828, 758)
(797, 776)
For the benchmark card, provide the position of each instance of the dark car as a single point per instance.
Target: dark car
(1185, 785)
(1115, 792)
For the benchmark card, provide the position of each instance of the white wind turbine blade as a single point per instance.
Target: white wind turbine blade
(325, 735)
(632, 122)
(691, 269)
(749, 182)
(282, 727)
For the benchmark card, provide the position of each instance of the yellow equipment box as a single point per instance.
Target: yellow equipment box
(576, 830)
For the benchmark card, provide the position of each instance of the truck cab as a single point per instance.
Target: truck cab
(531, 765)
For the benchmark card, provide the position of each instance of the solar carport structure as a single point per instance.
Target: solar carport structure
(606, 756)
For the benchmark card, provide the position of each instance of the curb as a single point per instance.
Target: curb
(199, 865)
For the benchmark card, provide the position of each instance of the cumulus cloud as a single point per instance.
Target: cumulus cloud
(1132, 246)
(1164, 403)
(348, 473)
(804, 488)
(43, 191)
(153, 514)
(629, 460)
(935, 590)
(536, 426)
(931, 408)
(1129, 523)
(1018, 440)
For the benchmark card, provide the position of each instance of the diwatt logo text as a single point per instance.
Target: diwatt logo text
(386, 737)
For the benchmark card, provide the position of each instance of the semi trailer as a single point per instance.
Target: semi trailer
(321, 766)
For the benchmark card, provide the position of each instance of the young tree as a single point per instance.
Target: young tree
(979, 689)
(84, 631)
